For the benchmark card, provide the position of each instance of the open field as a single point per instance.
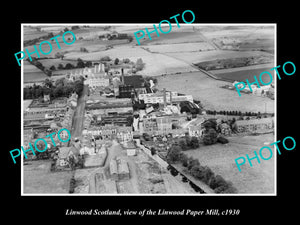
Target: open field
(220, 158)
(180, 47)
(32, 33)
(32, 74)
(91, 46)
(39, 179)
(236, 31)
(235, 74)
(184, 34)
(208, 91)
(196, 57)
(155, 64)
(245, 37)
(264, 44)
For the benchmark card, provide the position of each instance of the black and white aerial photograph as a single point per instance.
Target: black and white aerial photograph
(108, 110)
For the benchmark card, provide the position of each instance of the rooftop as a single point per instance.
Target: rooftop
(137, 81)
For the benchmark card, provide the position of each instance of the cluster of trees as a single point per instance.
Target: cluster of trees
(210, 135)
(105, 59)
(137, 66)
(118, 61)
(69, 66)
(203, 173)
(231, 63)
(188, 143)
(61, 88)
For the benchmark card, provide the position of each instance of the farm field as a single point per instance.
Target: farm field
(196, 57)
(220, 158)
(266, 45)
(243, 73)
(244, 37)
(55, 62)
(184, 34)
(155, 64)
(32, 74)
(180, 47)
(208, 91)
(31, 33)
(167, 54)
(236, 31)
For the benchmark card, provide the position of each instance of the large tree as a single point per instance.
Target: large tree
(69, 66)
(139, 64)
(210, 137)
(58, 91)
(80, 63)
(174, 154)
(78, 87)
(116, 61)
(194, 143)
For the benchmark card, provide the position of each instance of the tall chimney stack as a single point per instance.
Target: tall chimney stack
(165, 97)
(122, 76)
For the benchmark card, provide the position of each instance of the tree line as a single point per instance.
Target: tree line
(59, 88)
(204, 173)
(234, 113)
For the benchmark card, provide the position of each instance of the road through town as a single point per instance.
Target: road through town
(79, 114)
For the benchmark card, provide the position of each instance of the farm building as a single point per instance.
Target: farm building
(119, 169)
(123, 169)
(196, 130)
(113, 168)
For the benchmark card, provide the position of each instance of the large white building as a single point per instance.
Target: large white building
(94, 77)
(260, 91)
(153, 98)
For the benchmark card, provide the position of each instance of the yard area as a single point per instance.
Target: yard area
(258, 179)
(38, 179)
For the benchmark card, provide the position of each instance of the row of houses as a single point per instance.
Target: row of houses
(242, 126)
(110, 132)
(68, 118)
